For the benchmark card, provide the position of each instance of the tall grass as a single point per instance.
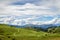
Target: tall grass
(12, 33)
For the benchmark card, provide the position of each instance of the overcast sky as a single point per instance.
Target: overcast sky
(30, 7)
(34, 9)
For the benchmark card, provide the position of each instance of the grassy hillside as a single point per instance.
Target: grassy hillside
(12, 33)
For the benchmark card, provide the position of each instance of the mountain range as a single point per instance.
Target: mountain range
(23, 22)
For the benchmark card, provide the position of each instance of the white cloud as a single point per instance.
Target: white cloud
(12, 20)
(27, 9)
(45, 8)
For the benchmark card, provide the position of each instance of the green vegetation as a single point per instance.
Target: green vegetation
(54, 30)
(13, 33)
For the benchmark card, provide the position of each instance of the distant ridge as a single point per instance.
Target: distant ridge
(17, 21)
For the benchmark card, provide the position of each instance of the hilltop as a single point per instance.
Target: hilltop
(12, 33)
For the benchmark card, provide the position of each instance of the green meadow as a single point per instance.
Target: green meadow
(12, 33)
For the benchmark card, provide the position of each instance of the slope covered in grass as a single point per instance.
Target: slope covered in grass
(12, 33)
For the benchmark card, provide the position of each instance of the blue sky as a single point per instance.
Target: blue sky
(33, 10)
